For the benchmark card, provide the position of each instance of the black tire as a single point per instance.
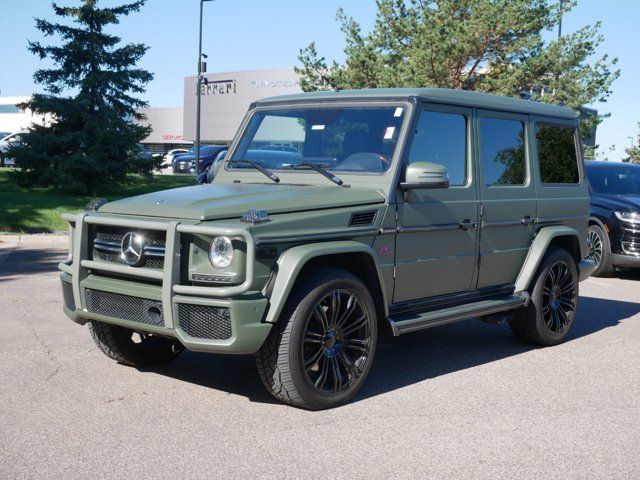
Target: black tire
(118, 344)
(548, 317)
(600, 251)
(328, 322)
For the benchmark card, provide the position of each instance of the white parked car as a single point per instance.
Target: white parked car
(171, 154)
(5, 143)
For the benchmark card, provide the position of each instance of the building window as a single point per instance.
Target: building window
(442, 138)
(557, 156)
(9, 109)
(502, 152)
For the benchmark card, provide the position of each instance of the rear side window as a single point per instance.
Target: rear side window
(502, 152)
(557, 154)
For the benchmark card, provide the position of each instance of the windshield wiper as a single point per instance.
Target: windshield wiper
(321, 169)
(258, 167)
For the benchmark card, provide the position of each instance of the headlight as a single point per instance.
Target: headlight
(221, 252)
(631, 217)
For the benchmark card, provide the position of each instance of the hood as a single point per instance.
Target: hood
(616, 202)
(218, 201)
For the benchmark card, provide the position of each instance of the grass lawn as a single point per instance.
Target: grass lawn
(39, 209)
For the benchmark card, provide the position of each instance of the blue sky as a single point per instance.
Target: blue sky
(254, 34)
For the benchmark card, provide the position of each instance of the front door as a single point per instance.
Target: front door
(507, 195)
(437, 235)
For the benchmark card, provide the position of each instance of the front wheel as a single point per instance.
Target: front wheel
(321, 350)
(554, 301)
(131, 348)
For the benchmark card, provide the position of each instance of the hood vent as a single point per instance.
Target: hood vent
(361, 219)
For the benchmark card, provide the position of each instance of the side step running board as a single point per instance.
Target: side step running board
(417, 321)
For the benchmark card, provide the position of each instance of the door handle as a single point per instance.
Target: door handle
(527, 220)
(467, 224)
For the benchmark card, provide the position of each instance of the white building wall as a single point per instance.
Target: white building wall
(166, 125)
(13, 119)
(227, 97)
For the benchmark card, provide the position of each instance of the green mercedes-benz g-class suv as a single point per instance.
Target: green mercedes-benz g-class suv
(335, 216)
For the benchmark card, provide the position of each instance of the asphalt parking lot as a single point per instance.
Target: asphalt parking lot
(459, 401)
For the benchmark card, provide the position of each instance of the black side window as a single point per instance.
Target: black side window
(442, 138)
(502, 152)
(557, 154)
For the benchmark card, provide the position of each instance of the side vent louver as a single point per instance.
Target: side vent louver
(361, 219)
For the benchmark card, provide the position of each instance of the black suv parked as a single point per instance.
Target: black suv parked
(614, 226)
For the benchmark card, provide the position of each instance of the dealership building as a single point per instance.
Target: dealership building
(225, 98)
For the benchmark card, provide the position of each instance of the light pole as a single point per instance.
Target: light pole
(198, 90)
(562, 2)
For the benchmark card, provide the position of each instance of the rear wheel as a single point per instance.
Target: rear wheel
(554, 301)
(600, 251)
(131, 348)
(321, 350)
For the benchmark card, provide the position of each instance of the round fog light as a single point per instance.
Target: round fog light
(221, 252)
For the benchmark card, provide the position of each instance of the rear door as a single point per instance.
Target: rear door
(507, 196)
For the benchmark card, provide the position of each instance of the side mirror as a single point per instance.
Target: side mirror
(425, 175)
(202, 178)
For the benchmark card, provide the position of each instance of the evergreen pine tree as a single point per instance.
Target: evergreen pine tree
(89, 141)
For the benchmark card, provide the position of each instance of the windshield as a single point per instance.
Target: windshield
(348, 139)
(622, 180)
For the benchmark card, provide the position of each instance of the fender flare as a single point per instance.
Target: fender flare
(292, 261)
(537, 251)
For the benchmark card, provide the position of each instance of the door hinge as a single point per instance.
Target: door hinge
(395, 271)
(481, 210)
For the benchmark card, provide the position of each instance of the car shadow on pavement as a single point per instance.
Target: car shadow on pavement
(25, 261)
(405, 360)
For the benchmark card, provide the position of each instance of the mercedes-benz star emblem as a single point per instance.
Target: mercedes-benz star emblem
(132, 248)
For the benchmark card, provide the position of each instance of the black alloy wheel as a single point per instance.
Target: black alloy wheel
(552, 308)
(337, 342)
(321, 350)
(558, 298)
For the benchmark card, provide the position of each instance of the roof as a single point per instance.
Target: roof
(609, 164)
(437, 95)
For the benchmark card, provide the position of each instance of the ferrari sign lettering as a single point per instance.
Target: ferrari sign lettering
(219, 87)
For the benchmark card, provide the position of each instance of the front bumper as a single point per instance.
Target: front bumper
(628, 261)
(225, 319)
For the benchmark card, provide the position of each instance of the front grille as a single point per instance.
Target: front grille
(630, 241)
(125, 307)
(205, 322)
(67, 295)
(107, 246)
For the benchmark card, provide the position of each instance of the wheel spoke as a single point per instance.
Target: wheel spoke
(322, 316)
(324, 373)
(357, 345)
(352, 302)
(315, 358)
(337, 374)
(312, 337)
(350, 367)
(356, 325)
(335, 306)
